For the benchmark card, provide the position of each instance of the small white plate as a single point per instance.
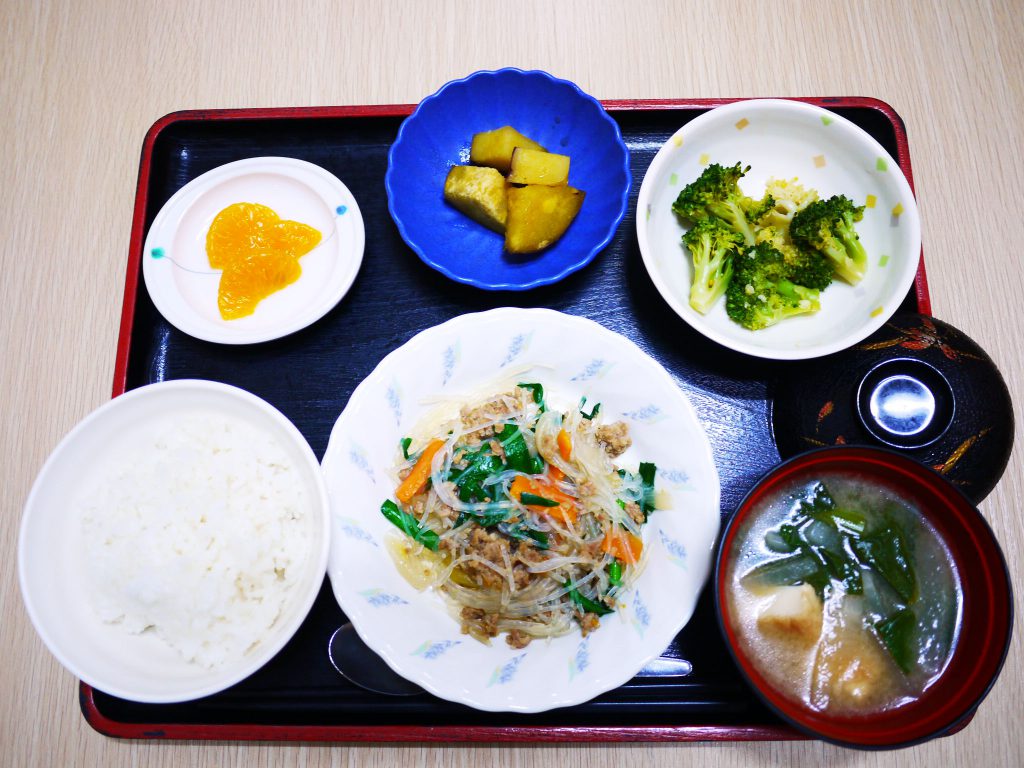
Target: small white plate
(783, 139)
(55, 570)
(184, 287)
(572, 356)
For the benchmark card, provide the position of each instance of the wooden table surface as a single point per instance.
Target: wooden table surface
(82, 81)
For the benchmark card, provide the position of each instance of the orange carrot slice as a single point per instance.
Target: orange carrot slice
(566, 509)
(564, 444)
(417, 479)
(623, 545)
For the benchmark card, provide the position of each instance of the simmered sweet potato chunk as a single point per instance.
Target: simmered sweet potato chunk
(538, 215)
(531, 166)
(479, 193)
(494, 148)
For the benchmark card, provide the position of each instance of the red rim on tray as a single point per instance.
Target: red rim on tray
(141, 356)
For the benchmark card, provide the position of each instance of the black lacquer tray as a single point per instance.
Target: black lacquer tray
(310, 375)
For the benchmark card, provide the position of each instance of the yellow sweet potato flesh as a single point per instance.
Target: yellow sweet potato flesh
(530, 166)
(538, 215)
(494, 148)
(479, 193)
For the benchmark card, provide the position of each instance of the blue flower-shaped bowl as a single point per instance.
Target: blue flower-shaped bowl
(437, 135)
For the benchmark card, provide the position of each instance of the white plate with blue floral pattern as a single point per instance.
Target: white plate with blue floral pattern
(573, 357)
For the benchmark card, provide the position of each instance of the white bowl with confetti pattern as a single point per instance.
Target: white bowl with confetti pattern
(573, 357)
(784, 139)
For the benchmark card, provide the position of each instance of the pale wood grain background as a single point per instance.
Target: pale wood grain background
(80, 82)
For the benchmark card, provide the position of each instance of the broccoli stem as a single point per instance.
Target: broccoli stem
(733, 215)
(854, 250)
(711, 272)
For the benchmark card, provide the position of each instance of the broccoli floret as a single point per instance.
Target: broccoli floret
(760, 294)
(827, 226)
(804, 266)
(716, 194)
(809, 268)
(712, 245)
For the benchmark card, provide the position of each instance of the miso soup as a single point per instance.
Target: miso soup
(843, 596)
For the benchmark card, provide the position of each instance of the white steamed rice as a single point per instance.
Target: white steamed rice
(197, 534)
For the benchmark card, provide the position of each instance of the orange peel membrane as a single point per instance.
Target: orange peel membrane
(259, 254)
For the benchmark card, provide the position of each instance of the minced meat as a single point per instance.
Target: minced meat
(614, 438)
(516, 638)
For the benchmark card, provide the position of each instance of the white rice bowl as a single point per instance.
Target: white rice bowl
(174, 541)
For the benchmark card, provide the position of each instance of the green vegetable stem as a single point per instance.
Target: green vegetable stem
(409, 525)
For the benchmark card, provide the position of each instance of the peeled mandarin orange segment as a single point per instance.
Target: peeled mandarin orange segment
(258, 253)
(244, 285)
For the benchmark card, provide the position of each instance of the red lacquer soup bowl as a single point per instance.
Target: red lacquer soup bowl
(985, 620)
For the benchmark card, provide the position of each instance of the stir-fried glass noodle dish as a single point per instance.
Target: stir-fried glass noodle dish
(516, 513)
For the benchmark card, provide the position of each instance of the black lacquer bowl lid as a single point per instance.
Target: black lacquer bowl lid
(917, 385)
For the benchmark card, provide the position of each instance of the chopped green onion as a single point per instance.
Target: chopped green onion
(406, 442)
(588, 605)
(533, 500)
(647, 472)
(409, 525)
(538, 538)
(615, 573)
(538, 394)
(483, 519)
(593, 412)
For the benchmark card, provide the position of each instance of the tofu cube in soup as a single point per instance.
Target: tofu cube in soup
(530, 166)
(479, 193)
(538, 215)
(794, 614)
(494, 148)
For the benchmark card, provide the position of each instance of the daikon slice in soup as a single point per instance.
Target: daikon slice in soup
(843, 596)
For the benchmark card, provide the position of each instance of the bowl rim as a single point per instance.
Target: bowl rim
(540, 281)
(723, 112)
(318, 549)
(916, 468)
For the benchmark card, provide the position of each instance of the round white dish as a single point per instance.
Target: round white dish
(177, 271)
(573, 357)
(785, 139)
(53, 565)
